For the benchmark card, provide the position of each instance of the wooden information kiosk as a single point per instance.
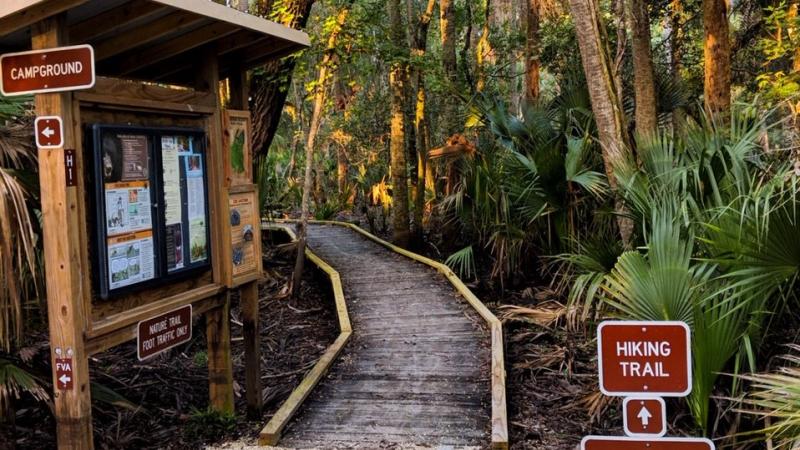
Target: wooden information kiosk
(150, 213)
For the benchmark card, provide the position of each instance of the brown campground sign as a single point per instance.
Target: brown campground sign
(164, 332)
(51, 70)
(644, 358)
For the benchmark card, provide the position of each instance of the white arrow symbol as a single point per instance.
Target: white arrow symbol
(644, 416)
(48, 132)
(64, 379)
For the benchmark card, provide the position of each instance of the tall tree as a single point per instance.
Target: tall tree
(484, 53)
(326, 68)
(397, 147)
(419, 48)
(644, 77)
(447, 25)
(532, 65)
(676, 24)
(717, 57)
(270, 84)
(606, 103)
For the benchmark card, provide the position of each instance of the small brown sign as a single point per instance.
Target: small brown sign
(164, 332)
(64, 374)
(644, 358)
(69, 167)
(49, 131)
(621, 443)
(644, 417)
(51, 70)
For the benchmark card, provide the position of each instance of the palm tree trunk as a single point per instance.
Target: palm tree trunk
(606, 104)
(717, 57)
(644, 78)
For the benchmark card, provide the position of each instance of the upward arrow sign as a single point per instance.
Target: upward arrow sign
(644, 416)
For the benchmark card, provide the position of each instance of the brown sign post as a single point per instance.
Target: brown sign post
(52, 70)
(622, 443)
(644, 361)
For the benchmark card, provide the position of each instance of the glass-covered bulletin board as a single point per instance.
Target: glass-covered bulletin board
(151, 205)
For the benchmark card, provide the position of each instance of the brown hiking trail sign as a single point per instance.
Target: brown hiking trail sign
(644, 358)
(52, 70)
(644, 361)
(644, 417)
(623, 443)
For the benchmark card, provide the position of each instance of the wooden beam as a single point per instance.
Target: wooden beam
(249, 299)
(20, 14)
(220, 368)
(115, 18)
(149, 32)
(241, 19)
(62, 213)
(140, 58)
(167, 69)
(271, 433)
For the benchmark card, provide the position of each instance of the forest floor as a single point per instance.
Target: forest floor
(169, 393)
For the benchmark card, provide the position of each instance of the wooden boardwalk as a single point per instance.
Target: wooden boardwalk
(417, 368)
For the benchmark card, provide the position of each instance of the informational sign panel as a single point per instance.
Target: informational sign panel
(51, 70)
(644, 417)
(64, 376)
(70, 171)
(244, 225)
(49, 132)
(622, 443)
(164, 332)
(239, 155)
(644, 358)
(152, 217)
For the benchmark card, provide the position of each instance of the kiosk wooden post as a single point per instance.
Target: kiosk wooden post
(157, 93)
(64, 253)
(248, 292)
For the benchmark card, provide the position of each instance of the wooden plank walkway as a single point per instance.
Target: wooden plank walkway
(417, 369)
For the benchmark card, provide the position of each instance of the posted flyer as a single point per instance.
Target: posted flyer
(130, 259)
(173, 210)
(128, 207)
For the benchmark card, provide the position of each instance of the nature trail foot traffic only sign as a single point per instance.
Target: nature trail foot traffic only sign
(644, 361)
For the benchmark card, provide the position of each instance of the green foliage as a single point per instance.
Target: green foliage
(15, 380)
(208, 424)
(200, 359)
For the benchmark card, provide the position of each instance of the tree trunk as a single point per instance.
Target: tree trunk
(326, 66)
(447, 24)
(676, 24)
(419, 48)
(484, 54)
(397, 149)
(606, 103)
(532, 51)
(717, 56)
(341, 170)
(269, 86)
(618, 9)
(644, 79)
